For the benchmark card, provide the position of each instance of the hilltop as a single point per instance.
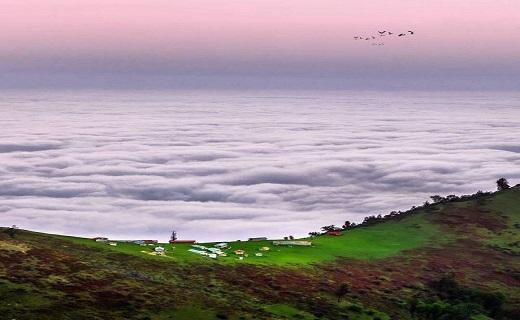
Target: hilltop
(456, 259)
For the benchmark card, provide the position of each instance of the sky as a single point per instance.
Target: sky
(261, 44)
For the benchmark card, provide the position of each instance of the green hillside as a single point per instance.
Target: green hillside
(378, 241)
(451, 260)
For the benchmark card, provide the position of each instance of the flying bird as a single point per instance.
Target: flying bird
(383, 33)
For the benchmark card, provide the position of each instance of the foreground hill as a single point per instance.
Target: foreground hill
(451, 260)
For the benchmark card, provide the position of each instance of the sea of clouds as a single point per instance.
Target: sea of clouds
(236, 165)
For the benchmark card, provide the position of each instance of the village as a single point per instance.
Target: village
(239, 250)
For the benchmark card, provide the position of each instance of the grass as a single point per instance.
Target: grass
(506, 203)
(60, 277)
(374, 242)
(285, 311)
(187, 313)
(19, 296)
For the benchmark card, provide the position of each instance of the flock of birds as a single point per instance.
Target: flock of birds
(381, 34)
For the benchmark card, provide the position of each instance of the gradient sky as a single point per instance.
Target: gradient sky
(259, 43)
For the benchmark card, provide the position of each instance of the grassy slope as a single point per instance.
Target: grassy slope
(59, 277)
(507, 204)
(378, 241)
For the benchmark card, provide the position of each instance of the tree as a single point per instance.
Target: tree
(291, 238)
(173, 237)
(12, 231)
(314, 234)
(451, 197)
(347, 224)
(329, 228)
(342, 290)
(436, 198)
(412, 306)
(502, 184)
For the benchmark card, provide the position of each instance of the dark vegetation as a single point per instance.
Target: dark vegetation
(470, 272)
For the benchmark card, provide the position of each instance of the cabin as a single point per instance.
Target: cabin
(141, 242)
(292, 243)
(257, 239)
(182, 241)
(334, 233)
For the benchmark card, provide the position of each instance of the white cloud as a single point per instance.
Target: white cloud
(225, 166)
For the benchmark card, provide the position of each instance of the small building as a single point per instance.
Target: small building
(292, 243)
(221, 245)
(182, 241)
(212, 255)
(259, 254)
(239, 252)
(100, 239)
(145, 242)
(113, 243)
(159, 249)
(257, 239)
(334, 233)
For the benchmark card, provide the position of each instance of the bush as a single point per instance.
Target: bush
(355, 308)
(454, 302)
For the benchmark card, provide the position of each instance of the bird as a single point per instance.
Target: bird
(401, 35)
(411, 32)
(390, 33)
(381, 32)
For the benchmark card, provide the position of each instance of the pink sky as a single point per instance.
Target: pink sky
(216, 36)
